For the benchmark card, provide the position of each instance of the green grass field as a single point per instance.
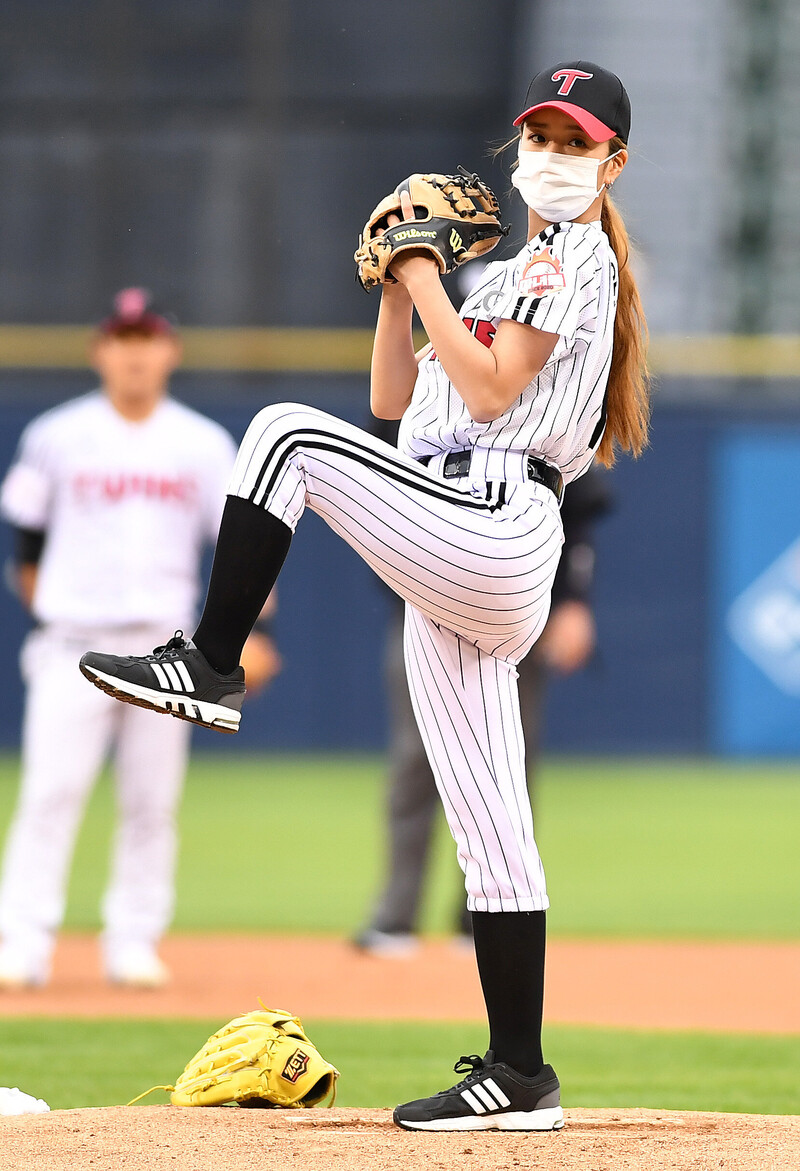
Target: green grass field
(632, 849)
(101, 1063)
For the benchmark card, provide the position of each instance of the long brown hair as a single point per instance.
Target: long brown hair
(628, 392)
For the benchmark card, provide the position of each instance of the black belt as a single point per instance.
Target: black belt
(456, 463)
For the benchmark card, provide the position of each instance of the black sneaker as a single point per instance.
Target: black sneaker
(176, 680)
(492, 1096)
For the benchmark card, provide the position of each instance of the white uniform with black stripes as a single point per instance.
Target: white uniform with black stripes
(473, 558)
(564, 281)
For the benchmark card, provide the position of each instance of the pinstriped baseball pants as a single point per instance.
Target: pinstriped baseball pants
(475, 564)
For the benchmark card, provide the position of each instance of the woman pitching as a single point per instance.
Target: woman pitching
(464, 524)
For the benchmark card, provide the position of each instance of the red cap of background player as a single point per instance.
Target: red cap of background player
(134, 313)
(593, 96)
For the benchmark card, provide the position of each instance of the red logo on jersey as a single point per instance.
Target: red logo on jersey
(570, 77)
(542, 274)
(484, 331)
(91, 486)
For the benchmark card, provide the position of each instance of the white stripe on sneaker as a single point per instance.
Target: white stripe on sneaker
(473, 1102)
(481, 1092)
(174, 677)
(491, 1085)
(183, 671)
(158, 671)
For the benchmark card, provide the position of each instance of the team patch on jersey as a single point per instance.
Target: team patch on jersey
(542, 275)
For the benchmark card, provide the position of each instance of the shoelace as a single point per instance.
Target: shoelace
(176, 643)
(473, 1064)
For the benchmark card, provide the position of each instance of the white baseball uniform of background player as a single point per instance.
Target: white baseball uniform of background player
(127, 486)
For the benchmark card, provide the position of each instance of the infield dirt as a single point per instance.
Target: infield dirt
(162, 1138)
(625, 984)
(668, 985)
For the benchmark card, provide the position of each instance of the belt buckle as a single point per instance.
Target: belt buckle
(547, 474)
(456, 464)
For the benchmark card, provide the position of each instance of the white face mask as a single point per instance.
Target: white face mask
(556, 186)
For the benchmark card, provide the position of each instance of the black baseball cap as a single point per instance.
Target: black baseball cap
(593, 96)
(135, 314)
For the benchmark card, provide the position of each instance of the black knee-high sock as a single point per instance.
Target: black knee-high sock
(509, 946)
(251, 548)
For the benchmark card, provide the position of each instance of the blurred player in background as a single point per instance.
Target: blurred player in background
(113, 497)
(413, 803)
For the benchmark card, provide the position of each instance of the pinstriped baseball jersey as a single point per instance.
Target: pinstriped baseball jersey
(564, 281)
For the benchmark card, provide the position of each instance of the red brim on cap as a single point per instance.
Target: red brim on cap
(593, 126)
(148, 325)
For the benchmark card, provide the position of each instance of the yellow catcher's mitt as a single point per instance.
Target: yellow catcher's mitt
(259, 1059)
(457, 219)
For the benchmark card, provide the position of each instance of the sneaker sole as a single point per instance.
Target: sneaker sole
(146, 983)
(551, 1119)
(183, 707)
(21, 980)
(12, 984)
(387, 948)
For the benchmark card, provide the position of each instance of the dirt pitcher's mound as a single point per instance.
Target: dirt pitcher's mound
(156, 1138)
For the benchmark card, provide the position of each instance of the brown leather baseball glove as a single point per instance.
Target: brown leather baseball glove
(457, 218)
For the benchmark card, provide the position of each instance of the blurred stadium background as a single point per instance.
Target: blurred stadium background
(224, 155)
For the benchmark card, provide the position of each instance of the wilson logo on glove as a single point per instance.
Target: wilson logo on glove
(413, 234)
(439, 202)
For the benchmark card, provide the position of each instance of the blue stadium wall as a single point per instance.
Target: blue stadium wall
(657, 683)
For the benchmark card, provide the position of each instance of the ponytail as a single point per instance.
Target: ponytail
(628, 393)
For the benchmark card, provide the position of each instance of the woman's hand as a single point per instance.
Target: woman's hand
(394, 363)
(411, 261)
(487, 379)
